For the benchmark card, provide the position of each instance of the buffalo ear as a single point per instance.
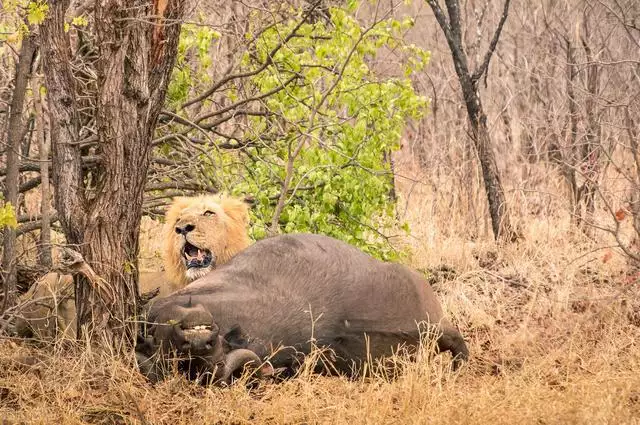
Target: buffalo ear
(268, 370)
(236, 338)
(145, 345)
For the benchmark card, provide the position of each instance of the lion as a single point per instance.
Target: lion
(48, 308)
(200, 233)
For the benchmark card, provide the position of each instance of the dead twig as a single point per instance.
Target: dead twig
(72, 262)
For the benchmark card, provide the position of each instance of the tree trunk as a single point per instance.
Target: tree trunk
(568, 165)
(137, 43)
(451, 26)
(500, 224)
(44, 249)
(14, 133)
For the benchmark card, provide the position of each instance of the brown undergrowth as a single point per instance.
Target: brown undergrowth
(553, 340)
(552, 323)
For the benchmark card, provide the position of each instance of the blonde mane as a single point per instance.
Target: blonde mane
(224, 236)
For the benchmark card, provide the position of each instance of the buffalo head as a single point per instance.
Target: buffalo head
(192, 336)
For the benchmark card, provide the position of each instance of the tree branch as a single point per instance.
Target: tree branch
(453, 8)
(451, 30)
(30, 226)
(264, 66)
(441, 18)
(30, 184)
(72, 262)
(243, 102)
(482, 68)
(180, 185)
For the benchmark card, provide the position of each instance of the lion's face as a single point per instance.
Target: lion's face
(201, 233)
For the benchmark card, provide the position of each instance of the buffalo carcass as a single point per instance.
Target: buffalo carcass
(292, 292)
(203, 353)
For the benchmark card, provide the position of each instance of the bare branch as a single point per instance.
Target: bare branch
(264, 66)
(453, 37)
(72, 262)
(239, 103)
(30, 184)
(180, 185)
(482, 68)
(34, 224)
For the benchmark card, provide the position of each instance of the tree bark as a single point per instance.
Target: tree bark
(14, 133)
(44, 249)
(452, 29)
(137, 43)
(592, 149)
(568, 165)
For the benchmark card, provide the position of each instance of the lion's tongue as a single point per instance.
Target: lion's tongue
(194, 253)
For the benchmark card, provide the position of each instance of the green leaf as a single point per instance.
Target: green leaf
(37, 12)
(8, 216)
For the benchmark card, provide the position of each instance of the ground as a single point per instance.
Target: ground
(552, 323)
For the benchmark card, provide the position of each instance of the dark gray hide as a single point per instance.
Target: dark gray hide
(189, 336)
(286, 290)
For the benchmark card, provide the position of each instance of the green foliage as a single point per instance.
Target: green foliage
(36, 12)
(341, 182)
(336, 122)
(192, 62)
(76, 21)
(7, 215)
(14, 16)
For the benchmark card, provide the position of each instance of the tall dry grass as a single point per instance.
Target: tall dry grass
(553, 327)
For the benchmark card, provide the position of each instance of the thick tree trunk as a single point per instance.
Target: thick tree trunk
(137, 43)
(14, 133)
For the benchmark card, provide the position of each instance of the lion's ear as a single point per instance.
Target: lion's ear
(236, 209)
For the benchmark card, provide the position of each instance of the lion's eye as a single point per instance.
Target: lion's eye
(209, 213)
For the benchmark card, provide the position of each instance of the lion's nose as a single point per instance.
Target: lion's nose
(183, 230)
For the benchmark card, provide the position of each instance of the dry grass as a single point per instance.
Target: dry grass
(551, 364)
(552, 327)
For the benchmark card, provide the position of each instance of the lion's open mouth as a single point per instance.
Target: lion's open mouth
(195, 257)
